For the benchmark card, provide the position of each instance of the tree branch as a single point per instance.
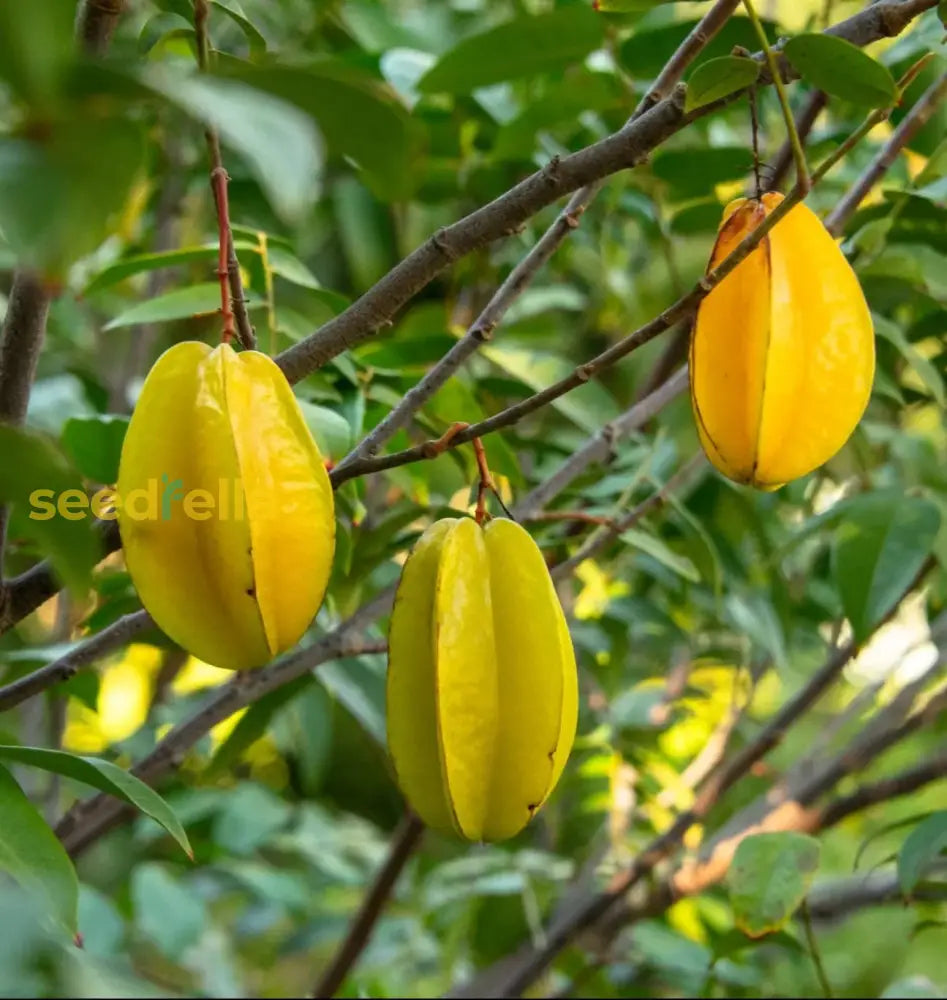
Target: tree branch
(908, 127)
(499, 218)
(403, 842)
(23, 594)
(522, 275)
(21, 341)
(95, 24)
(83, 655)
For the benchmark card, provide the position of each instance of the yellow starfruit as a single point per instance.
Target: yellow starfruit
(225, 508)
(482, 690)
(782, 354)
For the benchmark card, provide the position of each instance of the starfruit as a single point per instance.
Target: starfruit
(782, 355)
(225, 509)
(482, 690)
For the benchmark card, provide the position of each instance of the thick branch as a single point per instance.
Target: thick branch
(505, 214)
(95, 24)
(403, 843)
(909, 126)
(83, 655)
(522, 275)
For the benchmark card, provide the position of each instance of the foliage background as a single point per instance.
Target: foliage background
(723, 597)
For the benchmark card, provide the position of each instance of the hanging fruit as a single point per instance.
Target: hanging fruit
(782, 355)
(225, 508)
(482, 688)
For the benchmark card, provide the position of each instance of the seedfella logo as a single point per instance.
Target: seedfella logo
(157, 501)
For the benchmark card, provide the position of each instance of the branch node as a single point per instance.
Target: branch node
(442, 244)
(551, 171)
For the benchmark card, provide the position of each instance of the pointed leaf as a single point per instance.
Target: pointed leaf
(923, 845)
(279, 143)
(33, 856)
(718, 78)
(841, 69)
(106, 777)
(521, 47)
(181, 303)
(879, 547)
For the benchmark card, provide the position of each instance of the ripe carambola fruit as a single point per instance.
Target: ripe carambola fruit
(482, 687)
(783, 354)
(238, 583)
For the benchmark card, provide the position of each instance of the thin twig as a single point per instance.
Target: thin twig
(798, 153)
(627, 147)
(481, 330)
(486, 483)
(572, 515)
(403, 843)
(907, 128)
(83, 655)
(232, 299)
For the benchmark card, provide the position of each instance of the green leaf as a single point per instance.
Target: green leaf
(255, 40)
(718, 78)
(33, 856)
(879, 547)
(167, 913)
(278, 142)
(289, 267)
(587, 406)
(692, 172)
(646, 50)
(181, 303)
(127, 267)
(36, 50)
(768, 879)
(31, 463)
(332, 431)
(841, 69)
(653, 546)
(358, 117)
(925, 370)
(95, 445)
(924, 844)
(106, 777)
(522, 47)
(58, 195)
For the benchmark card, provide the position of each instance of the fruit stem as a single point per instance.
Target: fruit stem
(798, 153)
(218, 179)
(233, 307)
(486, 481)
